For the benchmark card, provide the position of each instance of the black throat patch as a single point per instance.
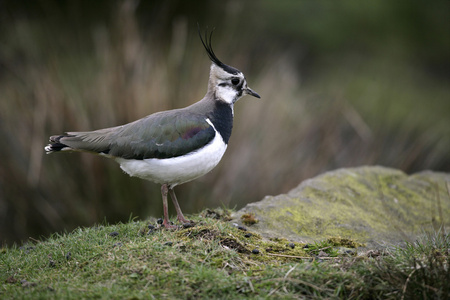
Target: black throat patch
(222, 119)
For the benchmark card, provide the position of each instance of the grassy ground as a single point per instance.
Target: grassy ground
(215, 259)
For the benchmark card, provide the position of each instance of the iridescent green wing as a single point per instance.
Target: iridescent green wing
(161, 135)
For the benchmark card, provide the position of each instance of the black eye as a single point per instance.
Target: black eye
(235, 81)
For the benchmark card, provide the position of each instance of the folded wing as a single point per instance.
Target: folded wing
(161, 135)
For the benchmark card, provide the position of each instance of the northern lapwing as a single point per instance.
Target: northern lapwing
(175, 146)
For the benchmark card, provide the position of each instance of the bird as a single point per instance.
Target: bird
(171, 147)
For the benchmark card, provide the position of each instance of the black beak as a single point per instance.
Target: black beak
(251, 92)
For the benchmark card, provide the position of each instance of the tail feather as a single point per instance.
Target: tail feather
(55, 144)
(90, 141)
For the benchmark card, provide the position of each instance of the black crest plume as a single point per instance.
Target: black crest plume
(207, 43)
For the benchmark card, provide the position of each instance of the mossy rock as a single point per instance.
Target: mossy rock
(376, 206)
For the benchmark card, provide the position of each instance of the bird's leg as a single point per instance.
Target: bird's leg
(166, 223)
(180, 216)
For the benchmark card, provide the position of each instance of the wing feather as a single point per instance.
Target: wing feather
(161, 135)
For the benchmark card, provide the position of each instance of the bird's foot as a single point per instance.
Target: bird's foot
(185, 222)
(167, 225)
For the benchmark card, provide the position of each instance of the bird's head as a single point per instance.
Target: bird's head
(228, 84)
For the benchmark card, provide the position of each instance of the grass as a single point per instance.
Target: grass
(216, 259)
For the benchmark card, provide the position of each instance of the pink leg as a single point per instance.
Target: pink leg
(180, 216)
(166, 223)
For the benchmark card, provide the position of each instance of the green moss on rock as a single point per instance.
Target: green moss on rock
(374, 205)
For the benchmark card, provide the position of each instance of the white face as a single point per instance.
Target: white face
(228, 87)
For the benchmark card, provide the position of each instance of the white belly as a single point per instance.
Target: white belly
(177, 170)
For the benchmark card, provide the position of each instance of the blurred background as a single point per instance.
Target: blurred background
(343, 84)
